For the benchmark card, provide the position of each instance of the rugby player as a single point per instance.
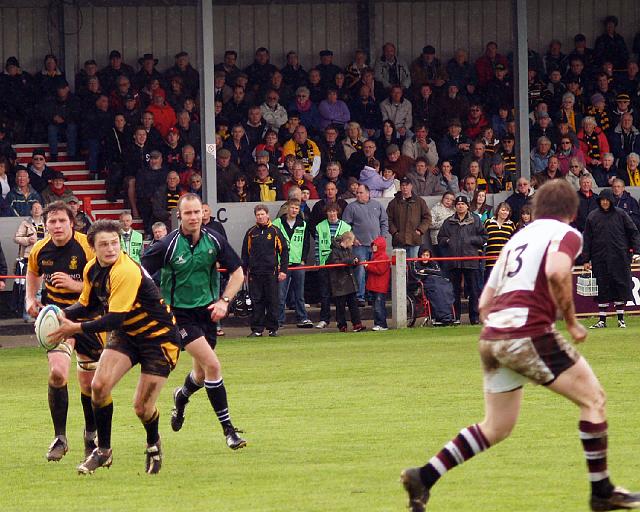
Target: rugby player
(187, 259)
(143, 330)
(519, 343)
(59, 260)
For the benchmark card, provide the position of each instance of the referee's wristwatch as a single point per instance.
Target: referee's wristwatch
(226, 299)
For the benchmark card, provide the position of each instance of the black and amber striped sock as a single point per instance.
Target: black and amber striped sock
(151, 426)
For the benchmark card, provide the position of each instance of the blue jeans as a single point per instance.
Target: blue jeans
(93, 145)
(295, 281)
(363, 253)
(379, 309)
(71, 130)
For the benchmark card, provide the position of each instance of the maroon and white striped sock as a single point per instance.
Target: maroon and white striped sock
(469, 442)
(594, 443)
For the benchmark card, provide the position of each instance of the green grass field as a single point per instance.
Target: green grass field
(331, 420)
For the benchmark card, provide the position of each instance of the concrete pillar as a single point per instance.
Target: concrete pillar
(399, 289)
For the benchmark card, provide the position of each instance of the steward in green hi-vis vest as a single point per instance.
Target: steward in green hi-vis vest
(296, 236)
(131, 243)
(323, 242)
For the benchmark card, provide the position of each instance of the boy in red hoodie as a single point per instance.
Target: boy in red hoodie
(378, 275)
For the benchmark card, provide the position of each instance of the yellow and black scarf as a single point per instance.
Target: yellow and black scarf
(305, 153)
(634, 177)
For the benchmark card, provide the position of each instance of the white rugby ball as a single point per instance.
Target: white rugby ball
(46, 323)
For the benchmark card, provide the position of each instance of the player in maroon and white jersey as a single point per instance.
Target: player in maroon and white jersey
(529, 284)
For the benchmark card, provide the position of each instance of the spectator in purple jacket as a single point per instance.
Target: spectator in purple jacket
(333, 111)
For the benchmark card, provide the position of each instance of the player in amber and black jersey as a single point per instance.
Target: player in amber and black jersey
(143, 330)
(58, 261)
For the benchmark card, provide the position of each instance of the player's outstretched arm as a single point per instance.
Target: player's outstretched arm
(558, 271)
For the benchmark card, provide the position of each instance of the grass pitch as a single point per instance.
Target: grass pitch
(331, 419)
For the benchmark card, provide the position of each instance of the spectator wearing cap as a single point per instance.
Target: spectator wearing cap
(421, 145)
(389, 70)
(56, 191)
(147, 71)
(81, 221)
(17, 91)
(39, 172)
(148, 181)
(293, 73)
(183, 68)
(499, 90)
(508, 154)
(272, 110)
(164, 117)
(409, 219)
(328, 70)
(462, 235)
(237, 108)
(486, 65)
(109, 74)
(260, 70)
(398, 109)
(62, 114)
(172, 150)
(499, 180)
(593, 142)
(610, 46)
(623, 106)
(49, 78)
(21, 197)
(625, 138)
(427, 69)
(333, 111)
(229, 67)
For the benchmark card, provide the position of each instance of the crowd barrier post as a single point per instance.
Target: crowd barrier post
(399, 289)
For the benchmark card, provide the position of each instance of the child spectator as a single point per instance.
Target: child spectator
(525, 218)
(352, 188)
(343, 283)
(378, 275)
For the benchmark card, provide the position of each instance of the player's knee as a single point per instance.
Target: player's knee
(99, 390)
(213, 369)
(143, 409)
(57, 377)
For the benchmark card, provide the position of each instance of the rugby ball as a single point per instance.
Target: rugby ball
(47, 322)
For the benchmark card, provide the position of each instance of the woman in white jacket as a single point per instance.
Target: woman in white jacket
(439, 213)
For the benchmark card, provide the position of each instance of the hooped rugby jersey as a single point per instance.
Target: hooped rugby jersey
(522, 305)
(46, 258)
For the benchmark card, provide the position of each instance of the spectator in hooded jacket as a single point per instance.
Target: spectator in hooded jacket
(164, 117)
(378, 277)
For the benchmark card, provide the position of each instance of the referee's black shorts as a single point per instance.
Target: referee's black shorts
(194, 323)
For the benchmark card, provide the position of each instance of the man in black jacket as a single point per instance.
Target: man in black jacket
(461, 235)
(62, 114)
(265, 258)
(609, 237)
(588, 202)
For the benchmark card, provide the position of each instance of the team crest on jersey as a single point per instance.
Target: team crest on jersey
(180, 260)
(73, 264)
(269, 236)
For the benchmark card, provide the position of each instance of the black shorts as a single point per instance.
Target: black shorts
(89, 346)
(157, 356)
(194, 323)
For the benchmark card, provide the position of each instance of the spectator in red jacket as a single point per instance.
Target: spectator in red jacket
(486, 65)
(593, 142)
(298, 179)
(164, 117)
(378, 275)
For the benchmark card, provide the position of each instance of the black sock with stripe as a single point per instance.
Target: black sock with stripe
(218, 397)
(151, 426)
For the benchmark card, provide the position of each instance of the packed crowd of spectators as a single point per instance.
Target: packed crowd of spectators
(379, 127)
